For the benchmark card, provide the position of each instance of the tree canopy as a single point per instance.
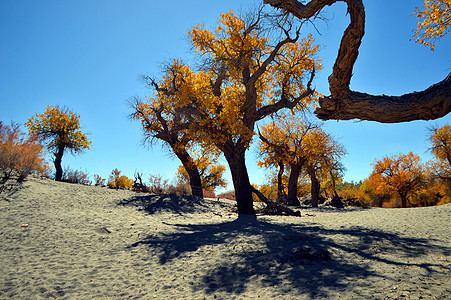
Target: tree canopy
(402, 174)
(436, 21)
(250, 69)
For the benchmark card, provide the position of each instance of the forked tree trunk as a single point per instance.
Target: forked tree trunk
(292, 198)
(57, 163)
(315, 187)
(195, 181)
(241, 183)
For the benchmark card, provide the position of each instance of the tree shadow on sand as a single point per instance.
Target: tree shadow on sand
(154, 203)
(296, 258)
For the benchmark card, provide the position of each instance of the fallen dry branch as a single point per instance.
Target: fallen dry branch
(274, 208)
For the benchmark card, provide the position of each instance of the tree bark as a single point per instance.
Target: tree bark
(430, 104)
(403, 200)
(193, 173)
(315, 186)
(292, 198)
(240, 178)
(344, 104)
(280, 190)
(57, 163)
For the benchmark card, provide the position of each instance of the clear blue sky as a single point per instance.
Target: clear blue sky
(87, 55)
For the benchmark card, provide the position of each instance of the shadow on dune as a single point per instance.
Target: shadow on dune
(295, 258)
(154, 203)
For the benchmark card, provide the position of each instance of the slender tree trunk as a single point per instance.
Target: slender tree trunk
(57, 163)
(193, 173)
(292, 198)
(241, 183)
(315, 186)
(280, 189)
(334, 185)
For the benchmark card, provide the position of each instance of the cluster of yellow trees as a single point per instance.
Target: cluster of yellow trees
(396, 180)
(403, 180)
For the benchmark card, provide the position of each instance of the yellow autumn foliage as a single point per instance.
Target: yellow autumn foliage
(59, 129)
(435, 21)
(118, 181)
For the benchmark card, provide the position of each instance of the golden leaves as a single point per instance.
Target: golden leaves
(59, 129)
(436, 21)
(295, 141)
(441, 143)
(399, 173)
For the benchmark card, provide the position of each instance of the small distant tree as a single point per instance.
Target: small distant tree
(118, 181)
(60, 130)
(403, 174)
(375, 191)
(332, 175)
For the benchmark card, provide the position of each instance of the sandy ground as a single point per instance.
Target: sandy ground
(90, 242)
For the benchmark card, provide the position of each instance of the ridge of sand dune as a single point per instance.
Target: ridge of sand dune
(90, 242)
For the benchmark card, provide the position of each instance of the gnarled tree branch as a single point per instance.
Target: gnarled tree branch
(344, 104)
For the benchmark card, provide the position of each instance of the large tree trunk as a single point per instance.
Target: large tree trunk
(57, 163)
(292, 198)
(193, 173)
(403, 200)
(344, 104)
(240, 178)
(315, 186)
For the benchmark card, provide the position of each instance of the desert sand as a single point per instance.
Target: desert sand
(69, 241)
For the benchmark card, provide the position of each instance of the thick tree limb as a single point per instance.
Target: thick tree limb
(430, 104)
(344, 104)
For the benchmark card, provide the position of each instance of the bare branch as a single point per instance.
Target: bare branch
(284, 102)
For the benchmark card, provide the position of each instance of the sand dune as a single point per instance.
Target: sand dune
(69, 241)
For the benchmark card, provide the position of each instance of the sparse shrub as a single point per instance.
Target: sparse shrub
(209, 194)
(76, 176)
(60, 130)
(157, 184)
(119, 181)
(227, 195)
(179, 189)
(99, 181)
(138, 185)
(19, 156)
